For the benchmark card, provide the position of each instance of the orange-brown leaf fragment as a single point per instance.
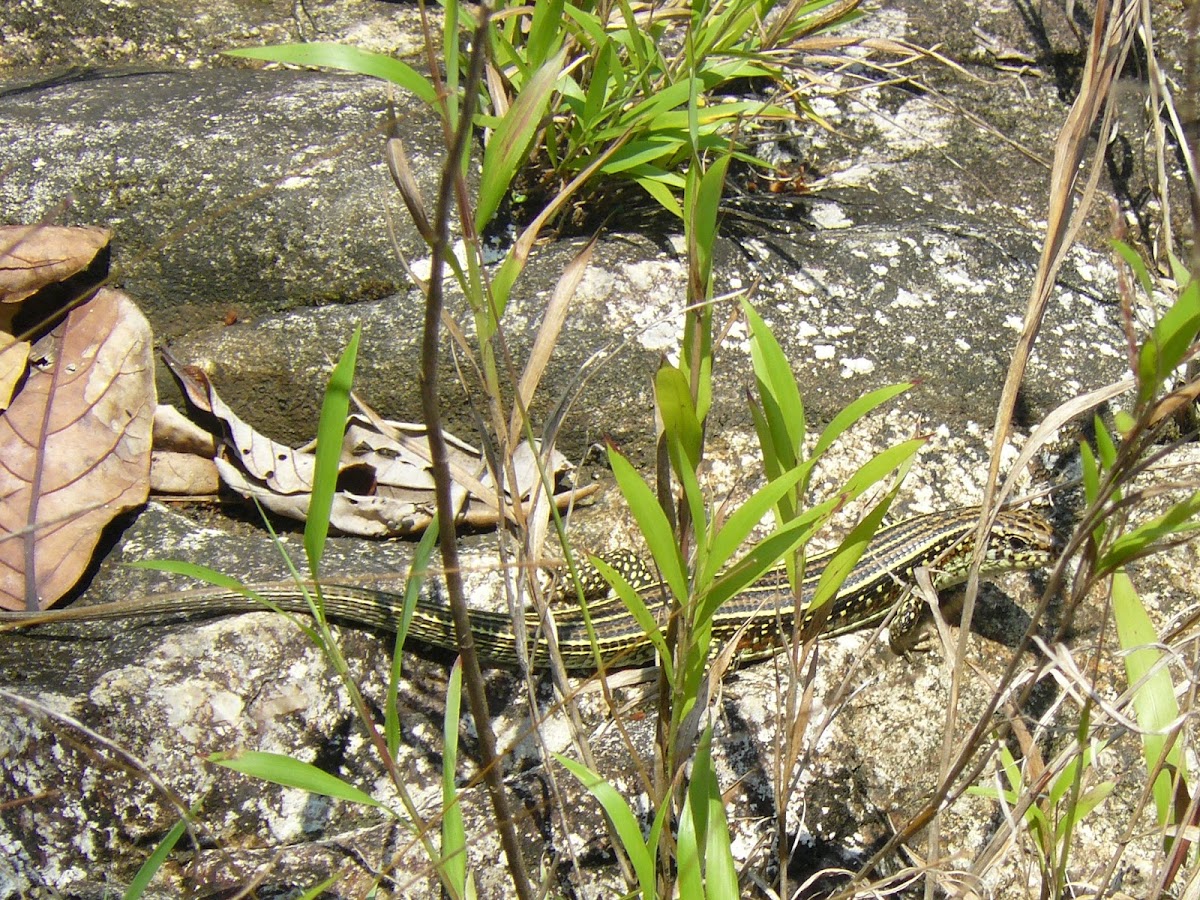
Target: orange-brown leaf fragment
(13, 356)
(74, 447)
(33, 256)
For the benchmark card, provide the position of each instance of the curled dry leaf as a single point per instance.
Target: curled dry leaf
(176, 433)
(183, 474)
(385, 486)
(13, 356)
(33, 256)
(74, 447)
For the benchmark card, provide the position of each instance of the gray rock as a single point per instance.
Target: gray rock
(236, 199)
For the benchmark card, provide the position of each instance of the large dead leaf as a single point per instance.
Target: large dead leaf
(385, 485)
(33, 256)
(74, 447)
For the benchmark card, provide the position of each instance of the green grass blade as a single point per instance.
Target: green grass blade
(318, 889)
(1179, 519)
(637, 608)
(639, 153)
(689, 876)
(647, 112)
(454, 836)
(1091, 479)
(788, 537)
(599, 88)
(1173, 334)
(851, 549)
(451, 61)
(279, 769)
(1134, 260)
(680, 421)
(509, 144)
(773, 466)
(763, 555)
(412, 590)
(147, 871)
(587, 28)
(221, 580)
(855, 411)
(330, 431)
(1154, 700)
(704, 793)
(623, 821)
(1106, 447)
(743, 520)
(347, 59)
(545, 31)
(661, 194)
(720, 872)
(880, 466)
(191, 570)
(651, 521)
(707, 204)
(783, 407)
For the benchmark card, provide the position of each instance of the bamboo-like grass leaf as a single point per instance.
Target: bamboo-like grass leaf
(330, 430)
(147, 871)
(1170, 339)
(1179, 519)
(712, 828)
(788, 537)
(701, 221)
(763, 555)
(623, 820)
(1154, 701)
(1091, 480)
(852, 547)
(599, 88)
(347, 59)
(229, 583)
(412, 590)
(191, 570)
(318, 889)
(636, 153)
(638, 609)
(658, 190)
(651, 521)
(451, 63)
(545, 31)
(689, 876)
(673, 397)
(685, 438)
(743, 519)
(775, 380)
(1106, 447)
(855, 411)
(509, 144)
(454, 836)
(720, 872)
(289, 772)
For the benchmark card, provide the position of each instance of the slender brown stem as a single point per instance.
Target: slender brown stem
(430, 347)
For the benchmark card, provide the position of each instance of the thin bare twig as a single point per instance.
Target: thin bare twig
(431, 408)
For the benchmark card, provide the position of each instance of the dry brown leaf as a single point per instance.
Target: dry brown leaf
(183, 474)
(13, 357)
(176, 433)
(278, 466)
(33, 256)
(74, 447)
(386, 487)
